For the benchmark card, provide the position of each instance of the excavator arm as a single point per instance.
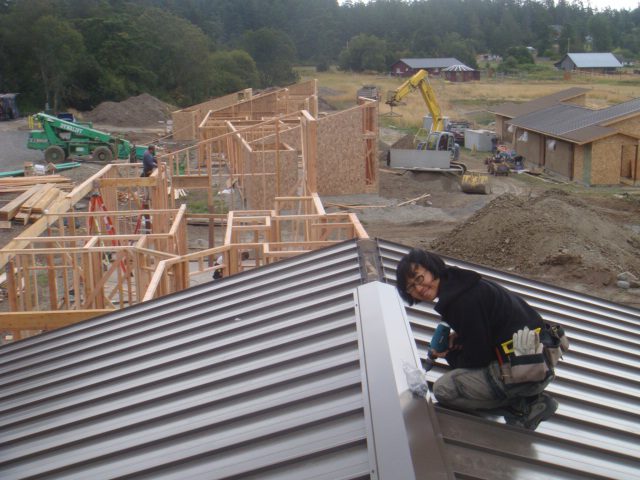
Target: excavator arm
(420, 82)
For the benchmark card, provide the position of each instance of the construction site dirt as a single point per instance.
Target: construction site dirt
(578, 238)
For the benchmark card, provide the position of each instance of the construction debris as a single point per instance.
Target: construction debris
(413, 201)
(352, 207)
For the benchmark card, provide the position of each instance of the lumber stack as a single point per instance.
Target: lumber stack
(31, 204)
(22, 184)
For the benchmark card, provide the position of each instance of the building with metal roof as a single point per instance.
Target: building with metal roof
(509, 110)
(460, 73)
(592, 62)
(562, 136)
(405, 67)
(295, 370)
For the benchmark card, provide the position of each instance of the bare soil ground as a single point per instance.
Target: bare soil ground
(572, 237)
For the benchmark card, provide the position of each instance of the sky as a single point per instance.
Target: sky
(596, 4)
(613, 4)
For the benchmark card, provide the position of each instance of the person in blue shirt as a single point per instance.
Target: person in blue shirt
(149, 162)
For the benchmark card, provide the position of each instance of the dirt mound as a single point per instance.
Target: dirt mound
(405, 142)
(141, 111)
(555, 237)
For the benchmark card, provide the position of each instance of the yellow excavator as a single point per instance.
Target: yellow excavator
(438, 152)
(419, 81)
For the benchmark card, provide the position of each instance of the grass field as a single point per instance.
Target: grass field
(468, 100)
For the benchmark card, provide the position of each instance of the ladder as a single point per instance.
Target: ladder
(96, 204)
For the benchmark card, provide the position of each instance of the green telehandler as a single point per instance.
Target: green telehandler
(60, 138)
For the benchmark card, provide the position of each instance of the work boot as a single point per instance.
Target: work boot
(539, 410)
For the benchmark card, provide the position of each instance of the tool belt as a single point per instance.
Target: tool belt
(516, 369)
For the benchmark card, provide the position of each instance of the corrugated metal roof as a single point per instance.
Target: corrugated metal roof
(511, 110)
(594, 60)
(263, 375)
(428, 63)
(596, 430)
(256, 375)
(589, 134)
(576, 123)
(458, 68)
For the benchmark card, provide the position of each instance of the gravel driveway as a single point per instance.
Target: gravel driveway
(13, 146)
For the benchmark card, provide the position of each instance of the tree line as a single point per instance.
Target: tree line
(78, 53)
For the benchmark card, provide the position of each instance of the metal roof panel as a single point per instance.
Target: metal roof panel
(578, 124)
(511, 109)
(264, 375)
(596, 431)
(431, 62)
(594, 60)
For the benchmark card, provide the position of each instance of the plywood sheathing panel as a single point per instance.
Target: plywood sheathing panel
(342, 149)
(630, 125)
(501, 128)
(257, 108)
(559, 159)
(303, 96)
(275, 173)
(578, 163)
(186, 121)
(307, 88)
(289, 134)
(606, 160)
(184, 125)
(629, 168)
(531, 149)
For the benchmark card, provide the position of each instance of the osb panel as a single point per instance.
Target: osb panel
(531, 150)
(629, 160)
(193, 115)
(630, 126)
(500, 128)
(341, 154)
(225, 101)
(260, 190)
(213, 131)
(184, 125)
(606, 157)
(303, 88)
(255, 109)
(290, 136)
(578, 163)
(559, 159)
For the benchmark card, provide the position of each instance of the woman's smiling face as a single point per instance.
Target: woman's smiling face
(422, 286)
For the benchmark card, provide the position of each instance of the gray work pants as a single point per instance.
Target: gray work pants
(472, 389)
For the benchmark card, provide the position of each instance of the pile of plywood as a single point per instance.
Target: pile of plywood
(31, 204)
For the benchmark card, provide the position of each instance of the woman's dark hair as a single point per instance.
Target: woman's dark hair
(430, 261)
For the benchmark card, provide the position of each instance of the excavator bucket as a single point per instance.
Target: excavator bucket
(475, 182)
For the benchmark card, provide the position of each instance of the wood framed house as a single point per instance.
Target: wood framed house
(558, 134)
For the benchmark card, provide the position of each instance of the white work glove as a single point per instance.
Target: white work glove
(526, 342)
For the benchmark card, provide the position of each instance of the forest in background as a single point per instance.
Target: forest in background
(78, 53)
